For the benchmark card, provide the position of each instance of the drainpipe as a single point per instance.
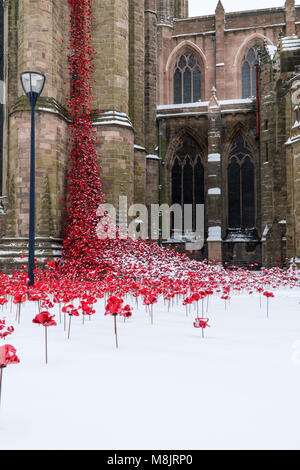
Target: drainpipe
(257, 103)
(213, 38)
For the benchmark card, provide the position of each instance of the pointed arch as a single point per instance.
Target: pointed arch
(245, 66)
(197, 80)
(241, 173)
(240, 129)
(177, 141)
(183, 46)
(250, 41)
(186, 170)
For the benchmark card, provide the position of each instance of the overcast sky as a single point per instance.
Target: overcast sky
(199, 7)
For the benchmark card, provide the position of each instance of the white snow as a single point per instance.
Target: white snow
(214, 191)
(271, 50)
(214, 234)
(166, 387)
(153, 157)
(182, 105)
(139, 147)
(291, 43)
(237, 101)
(117, 122)
(214, 158)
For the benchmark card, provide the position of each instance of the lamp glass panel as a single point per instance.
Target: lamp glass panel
(26, 82)
(32, 82)
(37, 82)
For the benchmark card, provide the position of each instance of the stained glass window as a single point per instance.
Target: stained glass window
(188, 176)
(249, 73)
(241, 187)
(187, 80)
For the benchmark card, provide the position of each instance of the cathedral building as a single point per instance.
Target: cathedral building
(193, 111)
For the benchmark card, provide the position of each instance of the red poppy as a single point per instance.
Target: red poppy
(127, 311)
(8, 355)
(201, 323)
(114, 306)
(5, 330)
(45, 319)
(70, 310)
(268, 294)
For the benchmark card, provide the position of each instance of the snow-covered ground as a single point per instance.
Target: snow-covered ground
(166, 387)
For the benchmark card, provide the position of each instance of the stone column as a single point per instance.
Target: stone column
(214, 176)
(165, 10)
(150, 75)
(137, 94)
(181, 9)
(38, 30)
(290, 17)
(110, 38)
(185, 8)
(220, 57)
(152, 8)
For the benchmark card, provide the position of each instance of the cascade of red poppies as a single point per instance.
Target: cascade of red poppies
(85, 256)
(84, 193)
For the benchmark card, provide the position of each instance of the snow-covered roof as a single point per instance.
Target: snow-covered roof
(291, 43)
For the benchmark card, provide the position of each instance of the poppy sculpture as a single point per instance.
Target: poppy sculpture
(114, 308)
(72, 312)
(268, 295)
(7, 356)
(45, 319)
(201, 323)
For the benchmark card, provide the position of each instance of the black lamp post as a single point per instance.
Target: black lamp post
(33, 84)
(160, 187)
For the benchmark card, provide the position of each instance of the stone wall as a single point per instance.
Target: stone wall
(138, 43)
(45, 52)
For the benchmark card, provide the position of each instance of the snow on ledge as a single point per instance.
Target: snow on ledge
(214, 191)
(153, 157)
(241, 101)
(214, 157)
(214, 234)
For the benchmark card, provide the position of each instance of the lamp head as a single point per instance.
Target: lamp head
(33, 84)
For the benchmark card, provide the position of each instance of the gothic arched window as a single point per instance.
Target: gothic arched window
(241, 187)
(188, 176)
(249, 73)
(187, 79)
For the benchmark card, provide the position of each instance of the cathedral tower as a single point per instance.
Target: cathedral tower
(169, 9)
(35, 38)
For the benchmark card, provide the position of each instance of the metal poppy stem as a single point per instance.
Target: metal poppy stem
(69, 326)
(116, 331)
(46, 345)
